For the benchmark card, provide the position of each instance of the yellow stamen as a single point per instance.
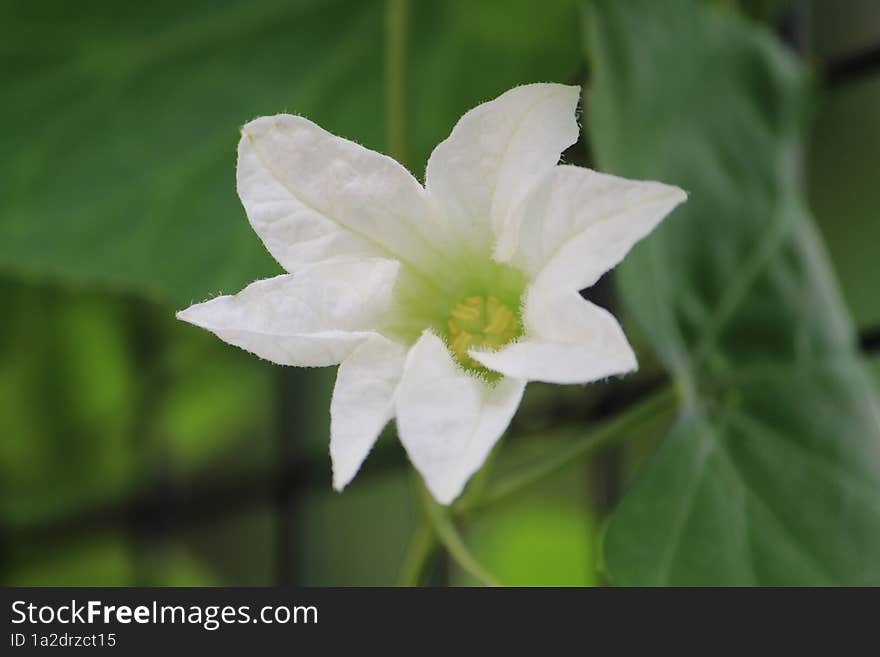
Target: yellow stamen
(465, 313)
(483, 322)
(462, 342)
(500, 320)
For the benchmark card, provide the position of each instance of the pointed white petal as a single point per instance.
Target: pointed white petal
(569, 340)
(363, 403)
(496, 152)
(447, 420)
(311, 196)
(313, 318)
(576, 224)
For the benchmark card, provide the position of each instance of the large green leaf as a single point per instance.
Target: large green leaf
(120, 169)
(122, 118)
(772, 473)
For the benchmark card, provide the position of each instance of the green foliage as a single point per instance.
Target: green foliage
(67, 400)
(357, 539)
(120, 170)
(532, 542)
(772, 474)
(214, 406)
(545, 536)
(119, 174)
(101, 560)
(91, 414)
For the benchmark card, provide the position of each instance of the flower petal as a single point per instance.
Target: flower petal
(362, 404)
(447, 420)
(576, 224)
(496, 152)
(569, 340)
(311, 196)
(312, 319)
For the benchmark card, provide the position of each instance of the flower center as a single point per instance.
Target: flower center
(481, 322)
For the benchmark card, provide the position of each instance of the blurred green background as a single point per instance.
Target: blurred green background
(136, 450)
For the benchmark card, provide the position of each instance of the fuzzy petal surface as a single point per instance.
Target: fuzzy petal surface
(362, 404)
(313, 318)
(312, 196)
(449, 420)
(495, 153)
(576, 224)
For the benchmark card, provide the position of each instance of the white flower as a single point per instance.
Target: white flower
(440, 302)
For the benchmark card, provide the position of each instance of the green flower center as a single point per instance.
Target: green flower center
(481, 322)
(472, 303)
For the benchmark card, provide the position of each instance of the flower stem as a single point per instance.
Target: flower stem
(396, 25)
(418, 554)
(448, 535)
(614, 430)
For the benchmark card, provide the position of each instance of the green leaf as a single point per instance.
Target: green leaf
(772, 474)
(119, 160)
(122, 165)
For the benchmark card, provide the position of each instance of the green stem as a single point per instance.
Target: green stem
(396, 23)
(448, 535)
(612, 431)
(418, 554)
